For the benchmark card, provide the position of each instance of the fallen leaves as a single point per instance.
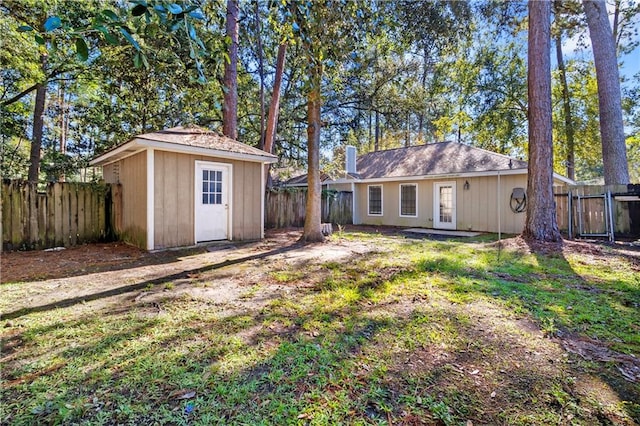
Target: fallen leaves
(182, 394)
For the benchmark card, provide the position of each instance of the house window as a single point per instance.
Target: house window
(375, 200)
(409, 200)
(211, 187)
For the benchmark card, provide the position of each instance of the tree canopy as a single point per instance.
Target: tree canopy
(393, 73)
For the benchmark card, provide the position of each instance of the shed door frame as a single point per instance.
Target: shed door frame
(227, 170)
(450, 222)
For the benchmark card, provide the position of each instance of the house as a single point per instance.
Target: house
(184, 186)
(445, 185)
(300, 181)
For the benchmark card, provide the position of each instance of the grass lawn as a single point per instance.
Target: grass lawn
(416, 331)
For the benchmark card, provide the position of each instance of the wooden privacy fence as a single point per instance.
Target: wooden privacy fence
(599, 210)
(286, 207)
(64, 214)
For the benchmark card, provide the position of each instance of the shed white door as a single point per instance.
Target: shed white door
(444, 205)
(212, 199)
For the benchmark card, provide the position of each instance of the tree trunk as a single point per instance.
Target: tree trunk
(38, 127)
(370, 129)
(230, 81)
(423, 81)
(407, 138)
(312, 223)
(64, 124)
(568, 117)
(614, 150)
(376, 144)
(38, 124)
(540, 223)
(274, 109)
(261, 73)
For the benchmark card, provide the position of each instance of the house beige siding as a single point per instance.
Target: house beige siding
(175, 204)
(478, 208)
(131, 172)
(481, 208)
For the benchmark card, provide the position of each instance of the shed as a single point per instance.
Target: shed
(184, 186)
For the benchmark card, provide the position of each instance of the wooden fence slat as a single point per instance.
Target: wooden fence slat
(6, 211)
(32, 195)
(64, 215)
(287, 208)
(73, 210)
(24, 219)
(89, 215)
(41, 206)
(102, 223)
(82, 234)
(51, 211)
(57, 200)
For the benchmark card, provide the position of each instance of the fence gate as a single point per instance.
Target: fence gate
(593, 214)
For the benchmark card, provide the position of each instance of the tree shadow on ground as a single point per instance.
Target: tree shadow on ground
(395, 362)
(352, 354)
(76, 261)
(184, 274)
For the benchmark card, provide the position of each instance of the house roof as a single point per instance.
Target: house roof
(194, 140)
(433, 159)
(301, 180)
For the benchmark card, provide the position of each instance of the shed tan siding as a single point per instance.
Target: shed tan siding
(476, 208)
(131, 172)
(175, 205)
(173, 199)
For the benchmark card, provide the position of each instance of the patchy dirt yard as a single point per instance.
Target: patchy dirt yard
(108, 274)
(443, 342)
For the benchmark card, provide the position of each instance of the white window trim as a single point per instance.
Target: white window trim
(151, 179)
(415, 185)
(381, 201)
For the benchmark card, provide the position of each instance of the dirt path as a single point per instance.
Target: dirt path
(114, 274)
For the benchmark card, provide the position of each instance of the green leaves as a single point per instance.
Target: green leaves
(140, 60)
(110, 15)
(129, 38)
(109, 38)
(82, 50)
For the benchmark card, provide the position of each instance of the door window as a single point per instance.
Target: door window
(211, 187)
(446, 204)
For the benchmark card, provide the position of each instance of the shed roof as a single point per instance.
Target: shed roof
(195, 140)
(433, 159)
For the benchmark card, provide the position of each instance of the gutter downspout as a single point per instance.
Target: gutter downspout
(499, 211)
(263, 191)
(353, 203)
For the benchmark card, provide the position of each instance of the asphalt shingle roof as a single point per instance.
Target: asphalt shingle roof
(202, 138)
(433, 159)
